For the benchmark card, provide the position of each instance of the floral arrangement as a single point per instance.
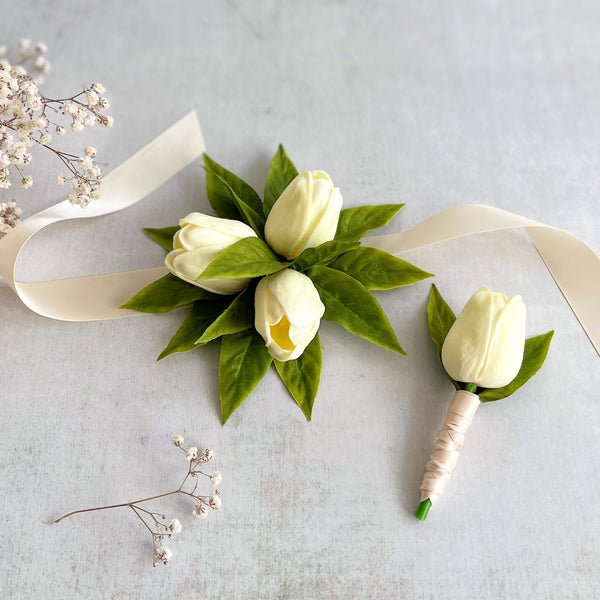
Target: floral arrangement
(486, 356)
(28, 118)
(155, 522)
(262, 273)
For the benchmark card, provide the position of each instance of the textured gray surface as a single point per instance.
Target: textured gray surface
(428, 103)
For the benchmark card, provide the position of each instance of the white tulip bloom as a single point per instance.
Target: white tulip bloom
(485, 344)
(200, 239)
(288, 312)
(305, 215)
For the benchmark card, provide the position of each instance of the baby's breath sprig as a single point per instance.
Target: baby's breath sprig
(28, 118)
(155, 522)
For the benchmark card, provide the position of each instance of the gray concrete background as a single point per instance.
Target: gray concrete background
(429, 103)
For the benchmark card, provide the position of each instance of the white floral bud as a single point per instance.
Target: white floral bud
(27, 182)
(92, 98)
(192, 454)
(216, 478)
(485, 344)
(60, 130)
(200, 511)
(178, 440)
(99, 88)
(90, 151)
(162, 554)
(200, 239)
(288, 312)
(214, 502)
(175, 526)
(60, 179)
(305, 215)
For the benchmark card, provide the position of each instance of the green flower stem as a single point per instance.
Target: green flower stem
(423, 509)
(470, 387)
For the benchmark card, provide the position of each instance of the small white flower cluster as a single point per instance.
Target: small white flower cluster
(10, 215)
(28, 118)
(155, 522)
(196, 458)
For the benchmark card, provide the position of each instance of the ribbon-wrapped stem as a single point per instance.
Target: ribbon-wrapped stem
(445, 454)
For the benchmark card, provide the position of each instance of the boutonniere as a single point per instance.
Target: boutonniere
(486, 357)
(262, 273)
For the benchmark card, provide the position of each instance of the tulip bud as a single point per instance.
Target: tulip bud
(485, 344)
(198, 242)
(288, 311)
(305, 215)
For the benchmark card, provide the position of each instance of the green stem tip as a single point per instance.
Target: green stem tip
(423, 509)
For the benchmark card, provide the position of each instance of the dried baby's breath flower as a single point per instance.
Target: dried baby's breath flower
(192, 453)
(216, 478)
(175, 526)
(155, 522)
(10, 214)
(215, 501)
(200, 511)
(27, 115)
(163, 555)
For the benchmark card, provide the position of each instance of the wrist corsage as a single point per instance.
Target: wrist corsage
(261, 274)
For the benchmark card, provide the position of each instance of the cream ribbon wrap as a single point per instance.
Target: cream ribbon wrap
(450, 439)
(572, 264)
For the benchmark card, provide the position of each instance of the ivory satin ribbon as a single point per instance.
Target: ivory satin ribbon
(572, 264)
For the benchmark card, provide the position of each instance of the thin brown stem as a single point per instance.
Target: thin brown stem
(124, 504)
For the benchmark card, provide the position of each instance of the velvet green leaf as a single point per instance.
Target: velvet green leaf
(534, 355)
(355, 222)
(378, 270)
(200, 316)
(440, 318)
(163, 237)
(281, 173)
(232, 198)
(349, 303)
(248, 257)
(223, 188)
(322, 254)
(165, 294)
(238, 316)
(243, 362)
(301, 376)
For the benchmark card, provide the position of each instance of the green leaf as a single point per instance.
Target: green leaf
(378, 270)
(244, 361)
(301, 376)
(534, 355)
(355, 222)
(440, 318)
(349, 303)
(163, 237)
(165, 294)
(322, 254)
(220, 183)
(238, 316)
(233, 198)
(200, 316)
(248, 257)
(281, 174)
